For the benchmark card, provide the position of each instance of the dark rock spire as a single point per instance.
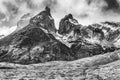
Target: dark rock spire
(67, 24)
(47, 9)
(44, 20)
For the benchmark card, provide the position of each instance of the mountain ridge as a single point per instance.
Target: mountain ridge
(39, 41)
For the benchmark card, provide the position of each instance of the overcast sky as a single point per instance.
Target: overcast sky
(85, 11)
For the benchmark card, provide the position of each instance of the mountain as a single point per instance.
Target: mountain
(34, 43)
(39, 40)
(89, 40)
(74, 33)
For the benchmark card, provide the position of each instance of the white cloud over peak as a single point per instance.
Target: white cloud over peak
(85, 11)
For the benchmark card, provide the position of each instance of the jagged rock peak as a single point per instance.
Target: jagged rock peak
(47, 9)
(39, 45)
(68, 24)
(44, 20)
(42, 15)
(69, 16)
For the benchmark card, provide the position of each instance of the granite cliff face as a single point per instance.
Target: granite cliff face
(40, 41)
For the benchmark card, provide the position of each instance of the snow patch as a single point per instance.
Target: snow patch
(6, 31)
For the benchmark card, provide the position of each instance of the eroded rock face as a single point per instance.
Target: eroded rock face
(68, 24)
(69, 28)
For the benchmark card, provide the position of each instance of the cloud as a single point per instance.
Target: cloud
(85, 11)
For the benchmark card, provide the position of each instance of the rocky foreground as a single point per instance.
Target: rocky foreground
(100, 67)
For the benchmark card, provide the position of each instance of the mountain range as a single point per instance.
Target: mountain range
(37, 40)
